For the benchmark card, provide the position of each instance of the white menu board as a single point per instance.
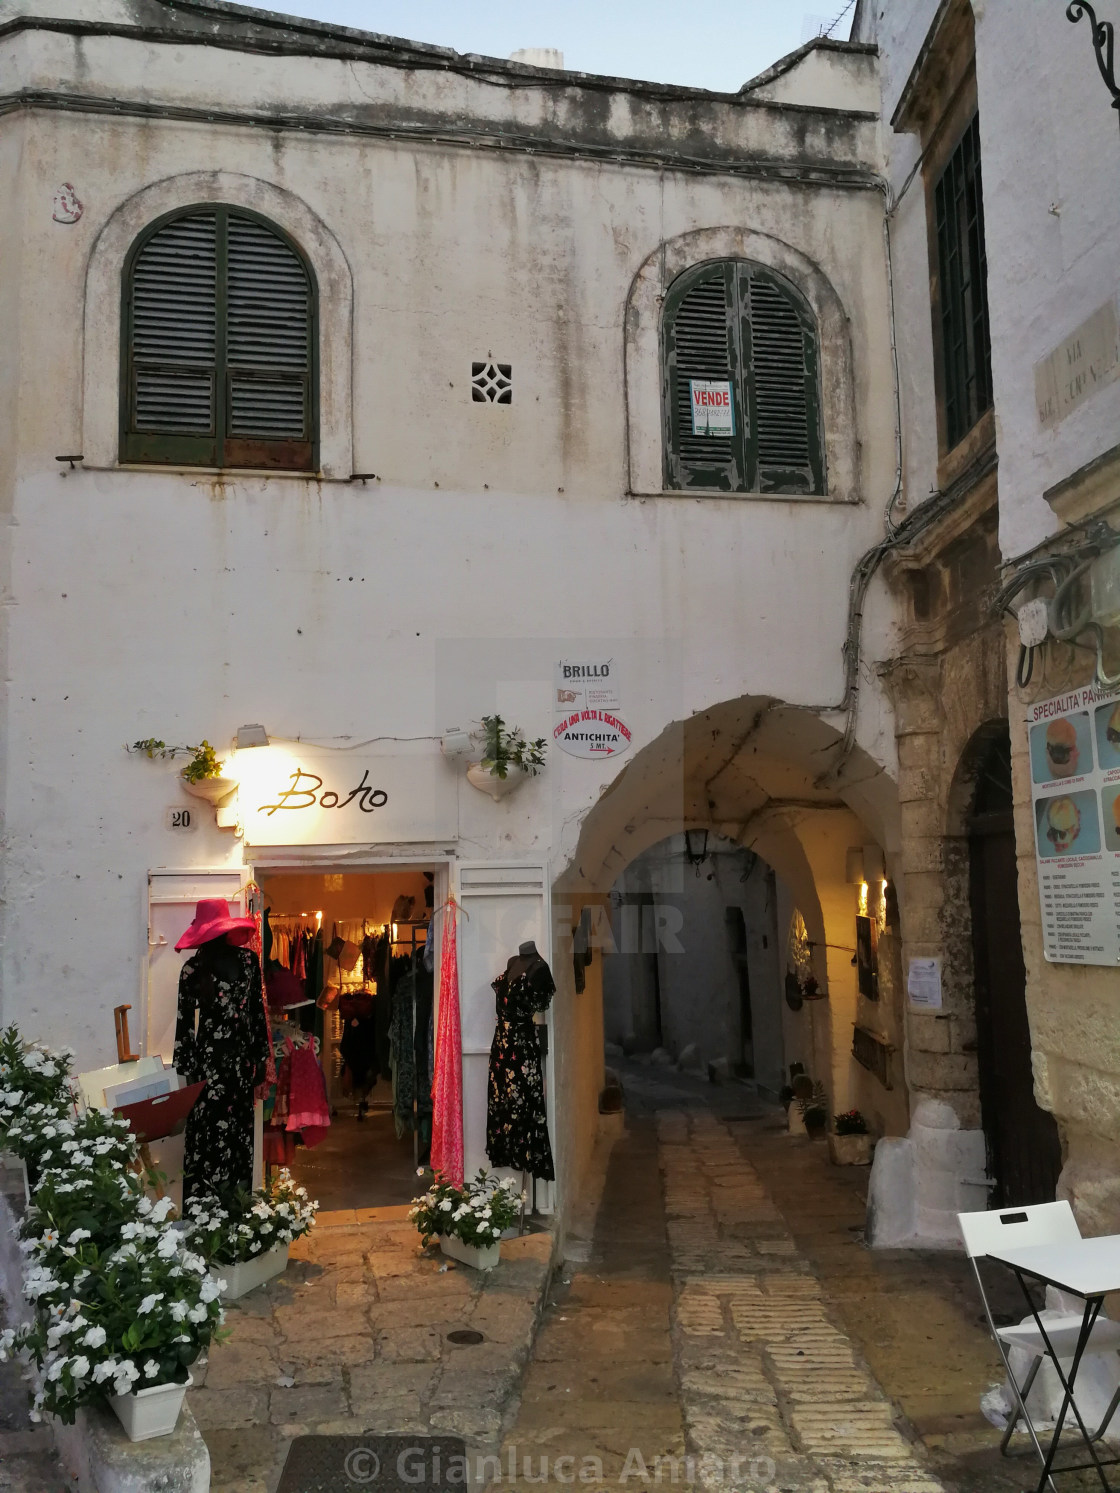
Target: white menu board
(1075, 796)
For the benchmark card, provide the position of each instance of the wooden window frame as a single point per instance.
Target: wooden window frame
(962, 329)
(746, 478)
(218, 449)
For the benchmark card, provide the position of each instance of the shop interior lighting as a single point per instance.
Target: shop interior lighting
(251, 736)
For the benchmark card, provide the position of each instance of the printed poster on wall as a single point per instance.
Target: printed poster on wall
(713, 409)
(1075, 796)
(585, 684)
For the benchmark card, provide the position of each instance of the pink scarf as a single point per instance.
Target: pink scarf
(447, 1085)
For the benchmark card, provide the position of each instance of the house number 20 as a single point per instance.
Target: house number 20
(180, 819)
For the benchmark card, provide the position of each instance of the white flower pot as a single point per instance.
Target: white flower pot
(150, 1412)
(486, 782)
(213, 790)
(470, 1254)
(247, 1275)
(849, 1150)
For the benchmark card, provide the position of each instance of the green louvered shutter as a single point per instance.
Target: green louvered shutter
(735, 321)
(219, 345)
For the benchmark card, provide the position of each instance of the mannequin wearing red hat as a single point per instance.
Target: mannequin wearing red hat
(221, 1037)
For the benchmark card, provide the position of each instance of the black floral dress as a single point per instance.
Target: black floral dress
(516, 1125)
(221, 1036)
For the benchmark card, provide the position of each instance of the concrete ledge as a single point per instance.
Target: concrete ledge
(96, 1451)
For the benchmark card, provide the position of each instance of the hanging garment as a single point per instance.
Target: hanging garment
(403, 1043)
(359, 1040)
(221, 1038)
(447, 1083)
(516, 1124)
(308, 1110)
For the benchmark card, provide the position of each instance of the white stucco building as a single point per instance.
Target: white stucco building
(345, 391)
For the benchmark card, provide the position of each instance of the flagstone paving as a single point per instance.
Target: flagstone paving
(353, 1338)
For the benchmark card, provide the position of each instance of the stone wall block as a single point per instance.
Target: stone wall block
(933, 1072)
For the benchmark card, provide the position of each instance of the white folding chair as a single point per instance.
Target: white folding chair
(1038, 1223)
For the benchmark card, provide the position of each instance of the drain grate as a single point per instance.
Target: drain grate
(465, 1337)
(383, 1464)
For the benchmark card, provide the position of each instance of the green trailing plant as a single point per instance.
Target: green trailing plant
(204, 762)
(812, 1101)
(851, 1122)
(505, 748)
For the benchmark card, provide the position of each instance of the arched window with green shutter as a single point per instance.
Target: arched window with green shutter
(218, 344)
(741, 383)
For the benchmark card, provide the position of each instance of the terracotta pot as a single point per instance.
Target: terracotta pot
(213, 790)
(486, 782)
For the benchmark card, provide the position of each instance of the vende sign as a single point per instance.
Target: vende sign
(713, 410)
(592, 733)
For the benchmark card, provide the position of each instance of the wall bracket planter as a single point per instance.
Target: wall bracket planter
(498, 788)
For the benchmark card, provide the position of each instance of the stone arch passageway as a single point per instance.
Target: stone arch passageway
(758, 775)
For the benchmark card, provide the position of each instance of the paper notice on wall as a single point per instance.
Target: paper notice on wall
(585, 684)
(1074, 742)
(923, 984)
(713, 409)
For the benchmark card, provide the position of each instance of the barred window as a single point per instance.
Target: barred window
(741, 383)
(218, 344)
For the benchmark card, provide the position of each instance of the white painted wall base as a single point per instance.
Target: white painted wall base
(1097, 1379)
(920, 1183)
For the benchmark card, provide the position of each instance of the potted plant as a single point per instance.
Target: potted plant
(812, 1105)
(202, 777)
(468, 1221)
(849, 1144)
(34, 1091)
(246, 1238)
(508, 759)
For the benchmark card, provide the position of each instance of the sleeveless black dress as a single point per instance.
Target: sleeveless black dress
(516, 1125)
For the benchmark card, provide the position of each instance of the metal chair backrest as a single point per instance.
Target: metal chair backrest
(1037, 1223)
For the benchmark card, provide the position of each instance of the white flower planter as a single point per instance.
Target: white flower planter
(470, 1254)
(486, 782)
(247, 1275)
(146, 1413)
(213, 790)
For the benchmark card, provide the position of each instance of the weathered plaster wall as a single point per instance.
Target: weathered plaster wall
(492, 541)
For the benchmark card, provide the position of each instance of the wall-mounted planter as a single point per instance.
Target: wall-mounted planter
(213, 790)
(151, 1412)
(486, 782)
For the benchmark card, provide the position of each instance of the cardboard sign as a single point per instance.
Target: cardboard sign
(713, 409)
(592, 733)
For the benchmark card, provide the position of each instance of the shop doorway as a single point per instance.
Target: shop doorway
(1024, 1152)
(350, 969)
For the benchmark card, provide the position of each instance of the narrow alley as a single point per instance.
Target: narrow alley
(730, 1329)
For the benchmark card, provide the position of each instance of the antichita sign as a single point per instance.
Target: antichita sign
(592, 733)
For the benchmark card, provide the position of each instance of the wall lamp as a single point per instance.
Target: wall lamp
(1103, 36)
(251, 736)
(696, 846)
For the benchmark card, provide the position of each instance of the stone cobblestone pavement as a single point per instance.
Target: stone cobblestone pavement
(767, 1375)
(353, 1339)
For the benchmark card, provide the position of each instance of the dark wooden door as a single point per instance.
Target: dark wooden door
(1024, 1153)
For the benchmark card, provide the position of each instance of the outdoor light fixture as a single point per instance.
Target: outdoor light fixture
(696, 851)
(1104, 44)
(251, 736)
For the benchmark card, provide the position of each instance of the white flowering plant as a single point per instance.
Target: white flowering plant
(478, 1213)
(35, 1091)
(120, 1298)
(228, 1231)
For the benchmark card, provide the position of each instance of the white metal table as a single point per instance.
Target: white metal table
(1089, 1268)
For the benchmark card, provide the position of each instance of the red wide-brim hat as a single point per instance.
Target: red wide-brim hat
(211, 920)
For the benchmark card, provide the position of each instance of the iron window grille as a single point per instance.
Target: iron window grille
(966, 352)
(218, 344)
(736, 323)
